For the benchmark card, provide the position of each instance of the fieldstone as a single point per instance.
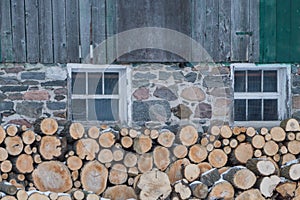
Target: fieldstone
(164, 93)
(294, 68)
(214, 81)
(172, 68)
(18, 88)
(6, 105)
(60, 83)
(59, 97)
(191, 77)
(296, 80)
(221, 107)
(30, 82)
(296, 115)
(182, 111)
(217, 70)
(140, 83)
(15, 96)
(164, 75)
(296, 102)
(20, 122)
(147, 76)
(30, 109)
(60, 114)
(296, 90)
(56, 73)
(193, 93)
(219, 92)
(33, 75)
(154, 110)
(178, 75)
(37, 95)
(141, 93)
(8, 81)
(61, 91)
(203, 110)
(34, 88)
(16, 69)
(2, 96)
(56, 105)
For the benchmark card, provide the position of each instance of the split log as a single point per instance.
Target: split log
(133, 171)
(37, 196)
(240, 177)
(28, 137)
(258, 141)
(14, 145)
(118, 174)
(268, 137)
(93, 132)
(191, 172)
(261, 166)
(188, 135)
(176, 169)
(166, 138)
(250, 131)
(58, 177)
(105, 156)
(242, 153)
(74, 163)
(291, 170)
(210, 177)
(145, 162)
(48, 126)
(119, 192)
(182, 189)
(3, 154)
(197, 153)
(225, 131)
(93, 177)
(264, 131)
(217, 158)
(287, 158)
(87, 148)
(217, 143)
(294, 147)
(22, 194)
(221, 190)
(75, 175)
(286, 189)
(6, 166)
(53, 195)
(267, 185)
(24, 163)
(37, 158)
(126, 142)
(107, 139)
(241, 137)
(154, 185)
(12, 130)
(161, 157)
(50, 147)
(290, 125)
(204, 167)
(278, 134)
(7, 188)
(76, 130)
(142, 144)
(249, 195)
(180, 151)
(130, 160)
(2, 134)
(199, 189)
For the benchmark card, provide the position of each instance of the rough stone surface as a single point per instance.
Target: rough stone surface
(15, 96)
(16, 69)
(56, 73)
(8, 80)
(2, 96)
(30, 109)
(33, 75)
(296, 80)
(55, 83)
(296, 90)
(30, 82)
(296, 115)
(141, 93)
(37, 95)
(56, 105)
(164, 75)
(296, 102)
(214, 81)
(219, 92)
(140, 83)
(146, 76)
(182, 111)
(203, 110)
(191, 77)
(61, 91)
(59, 97)
(13, 88)
(193, 93)
(221, 107)
(20, 122)
(164, 93)
(178, 76)
(6, 105)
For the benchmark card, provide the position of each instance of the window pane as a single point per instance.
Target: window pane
(240, 110)
(254, 81)
(95, 83)
(254, 110)
(270, 109)
(78, 83)
(78, 109)
(270, 81)
(111, 83)
(240, 81)
(103, 109)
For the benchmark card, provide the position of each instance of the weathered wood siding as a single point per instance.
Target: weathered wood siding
(61, 31)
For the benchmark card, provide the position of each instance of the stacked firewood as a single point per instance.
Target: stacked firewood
(75, 162)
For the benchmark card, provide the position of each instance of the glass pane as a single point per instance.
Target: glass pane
(240, 110)
(270, 109)
(111, 85)
(254, 81)
(103, 109)
(78, 109)
(254, 110)
(78, 83)
(270, 81)
(240, 81)
(95, 83)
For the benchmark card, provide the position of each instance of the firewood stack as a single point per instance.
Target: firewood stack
(74, 162)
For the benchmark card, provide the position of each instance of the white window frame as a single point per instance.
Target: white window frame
(283, 94)
(124, 86)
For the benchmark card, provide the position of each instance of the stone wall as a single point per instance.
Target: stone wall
(295, 82)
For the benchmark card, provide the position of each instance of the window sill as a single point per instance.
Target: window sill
(257, 124)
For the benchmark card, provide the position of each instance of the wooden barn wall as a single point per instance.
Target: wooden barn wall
(61, 31)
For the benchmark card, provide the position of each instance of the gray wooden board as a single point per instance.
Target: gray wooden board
(59, 31)
(6, 31)
(85, 26)
(254, 28)
(32, 29)
(224, 30)
(45, 31)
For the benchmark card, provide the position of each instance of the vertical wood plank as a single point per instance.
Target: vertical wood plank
(18, 28)
(240, 30)
(32, 30)
(295, 39)
(72, 27)
(254, 28)
(45, 31)
(85, 26)
(212, 29)
(6, 31)
(59, 31)
(224, 30)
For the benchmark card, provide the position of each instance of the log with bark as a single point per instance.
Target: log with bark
(87, 148)
(267, 185)
(240, 177)
(199, 189)
(221, 190)
(290, 125)
(182, 189)
(210, 177)
(262, 166)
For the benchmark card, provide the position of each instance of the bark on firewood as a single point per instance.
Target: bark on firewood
(154, 185)
(197, 153)
(226, 131)
(267, 185)
(24, 164)
(188, 135)
(2, 134)
(118, 174)
(52, 176)
(240, 177)
(291, 170)
(142, 144)
(50, 147)
(126, 142)
(182, 189)
(12, 130)
(210, 177)
(161, 157)
(93, 132)
(166, 138)
(199, 189)
(94, 176)
(278, 134)
(261, 166)
(130, 160)
(7, 188)
(119, 192)
(250, 194)
(145, 162)
(290, 125)
(258, 141)
(74, 163)
(221, 190)
(191, 172)
(217, 158)
(176, 169)
(242, 153)
(180, 151)
(14, 145)
(287, 158)
(286, 189)
(87, 148)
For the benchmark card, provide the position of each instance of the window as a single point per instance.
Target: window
(98, 93)
(260, 92)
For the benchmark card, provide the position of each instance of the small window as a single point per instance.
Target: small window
(98, 93)
(260, 92)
